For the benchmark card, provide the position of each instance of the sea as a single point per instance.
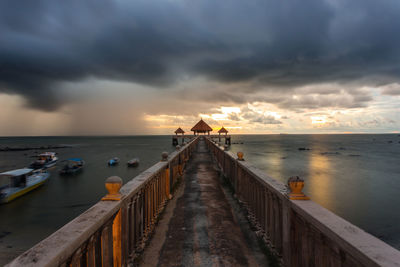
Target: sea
(356, 176)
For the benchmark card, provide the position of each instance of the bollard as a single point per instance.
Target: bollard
(113, 184)
(296, 184)
(164, 156)
(240, 156)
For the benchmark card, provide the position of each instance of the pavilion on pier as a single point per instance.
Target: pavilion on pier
(201, 127)
(180, 131)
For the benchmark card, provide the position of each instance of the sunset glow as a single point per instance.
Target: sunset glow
(318, 120)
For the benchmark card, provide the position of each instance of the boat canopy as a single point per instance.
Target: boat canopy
(17, 172)
(75, 159)
(48, 154)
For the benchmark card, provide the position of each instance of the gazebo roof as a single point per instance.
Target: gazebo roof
(222, 130)
(179, 130)
(201, 126)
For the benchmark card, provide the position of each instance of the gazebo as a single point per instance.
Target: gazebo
(175, 138)
(179, 131)
(222, 130)
(201, 127)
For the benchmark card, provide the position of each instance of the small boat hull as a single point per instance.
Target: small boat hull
(36, 180)
(113, 161)
(73, 166)
(51, 164)
(133, 163)
(46, 160)
(71, 171)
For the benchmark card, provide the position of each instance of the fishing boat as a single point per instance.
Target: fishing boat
(133, 162)
(72, 166)
(45, 160)
(113, 161)
(18, 182)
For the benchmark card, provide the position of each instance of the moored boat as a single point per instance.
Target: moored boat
(113, 161)
(72, 166)
(133, 162)
(45, 160)
(18, 182)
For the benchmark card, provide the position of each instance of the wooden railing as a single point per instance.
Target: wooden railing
(300, 232)
(112, 231)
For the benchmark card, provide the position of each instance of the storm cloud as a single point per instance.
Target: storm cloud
(272, 45)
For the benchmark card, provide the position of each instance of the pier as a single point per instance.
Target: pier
(202, 229)
(217, 210)
(182, 139)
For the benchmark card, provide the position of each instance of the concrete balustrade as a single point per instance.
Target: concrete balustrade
(115, 229)
(299, 231)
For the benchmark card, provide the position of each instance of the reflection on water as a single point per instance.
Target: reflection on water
(319, 181)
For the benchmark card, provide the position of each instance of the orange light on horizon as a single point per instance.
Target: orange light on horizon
(318, 120)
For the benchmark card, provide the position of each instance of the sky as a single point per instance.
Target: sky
(105, 67)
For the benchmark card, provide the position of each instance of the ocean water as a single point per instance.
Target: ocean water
(34, 216)
(355, 176)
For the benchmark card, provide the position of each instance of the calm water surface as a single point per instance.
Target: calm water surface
(355, 176)
(28, 219)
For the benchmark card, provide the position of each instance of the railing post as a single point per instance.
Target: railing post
(286, 221)
(164, 157)
(107, 245)
(180, 161)
(235, 176)
(295, 184)
(117, 240)
(113, 184)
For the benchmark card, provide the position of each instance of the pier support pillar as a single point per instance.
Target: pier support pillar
(174, 141)
(228, 140)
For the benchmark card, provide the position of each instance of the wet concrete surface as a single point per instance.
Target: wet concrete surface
(202, 229)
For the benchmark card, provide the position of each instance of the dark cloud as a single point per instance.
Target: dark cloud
(255, 117)
(234, 117)
(269, 44)
(391, 89)
(265, 120)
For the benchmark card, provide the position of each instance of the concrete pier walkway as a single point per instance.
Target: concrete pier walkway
(199, 226)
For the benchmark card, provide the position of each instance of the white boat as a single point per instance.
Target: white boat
(18, 182)
(133, 162)
(45, 160)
